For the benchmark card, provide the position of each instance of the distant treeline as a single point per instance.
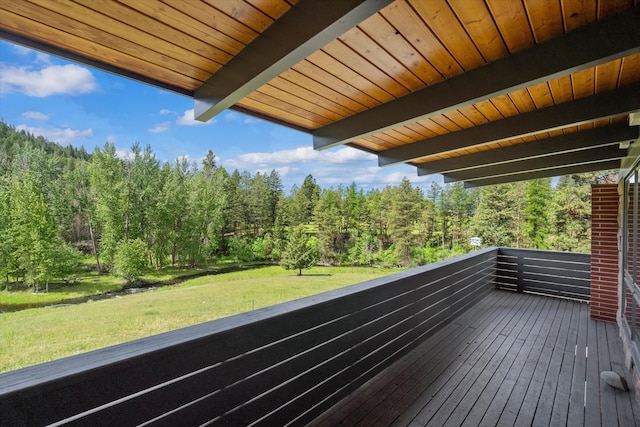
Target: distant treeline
(57, 200)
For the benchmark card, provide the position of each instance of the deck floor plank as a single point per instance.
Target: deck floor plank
(431, 358)
(548, 394)
(517, 394)
(592, 382)
(560, 410)
(624, 405)
(576, 398)
(509, 367)
(608, 408)
(387, 387)
(512, 359)
(437, 372)
(475, 402)
(533, 402)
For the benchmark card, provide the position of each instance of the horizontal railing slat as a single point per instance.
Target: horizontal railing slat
(282, 364)
(552, 273)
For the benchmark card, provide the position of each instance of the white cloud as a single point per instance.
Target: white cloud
(124, 154)
(160, 127)
(35, 115)
(62, 136)
(187, 119)
(298, 155)
(164, 112)
(21, 50)
(330, 168)
(24, 51)
(67, 79)
(43, 58)
(231, 117)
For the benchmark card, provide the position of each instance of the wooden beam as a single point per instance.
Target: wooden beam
(606, 135)
(546, 173)
(600, 106)
(598, 154)
(597, 43)
(305, 28)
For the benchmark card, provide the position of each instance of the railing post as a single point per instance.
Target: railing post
(520, 273)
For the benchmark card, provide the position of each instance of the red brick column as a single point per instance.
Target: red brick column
(604, 251)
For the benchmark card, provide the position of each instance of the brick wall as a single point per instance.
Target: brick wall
(604, 251)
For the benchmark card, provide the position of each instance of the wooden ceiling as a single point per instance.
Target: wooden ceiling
(483, 91)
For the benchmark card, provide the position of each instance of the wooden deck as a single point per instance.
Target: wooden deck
(512, 359)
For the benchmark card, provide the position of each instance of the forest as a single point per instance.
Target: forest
(58, 204)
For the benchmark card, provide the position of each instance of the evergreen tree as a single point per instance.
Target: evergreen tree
(572, 214)
(462, 204)
(301, 251)
(494, 220)
(430, 215)
(304, 201)
(331, 222)
(537, 212)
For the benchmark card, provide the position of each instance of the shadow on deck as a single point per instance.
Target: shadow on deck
(512, 359)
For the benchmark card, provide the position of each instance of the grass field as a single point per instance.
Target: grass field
(38, 335)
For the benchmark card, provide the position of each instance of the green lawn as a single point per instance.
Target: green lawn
(38, 335)
(88, 283)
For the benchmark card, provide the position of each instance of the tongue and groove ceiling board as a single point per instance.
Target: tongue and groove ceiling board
(448, 86)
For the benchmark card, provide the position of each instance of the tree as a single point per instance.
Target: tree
(331, 222)
(572, 214)
(494, 219)
(6, 243)
(33, 232)
(107, 182)
(404, 215)
(130, 259)
(206, 204)
(462, 204)
(301, 251)
(304, 201)
(173, 210)
(537, 212)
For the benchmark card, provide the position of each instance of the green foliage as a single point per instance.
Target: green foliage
(301, 251)
(572, 214)
(240, 249)
(131, 259)
(537, 212)
(403, 217)
(495, 221)
(190, 215)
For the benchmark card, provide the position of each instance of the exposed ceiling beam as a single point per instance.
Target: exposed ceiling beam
(593, 155)
(606, 135)
(608, 39)
(546, 173)
(305, 28)
(600, 106)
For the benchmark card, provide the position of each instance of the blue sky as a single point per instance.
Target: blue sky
(74, 104)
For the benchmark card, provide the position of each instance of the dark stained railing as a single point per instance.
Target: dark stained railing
(558, 274)
(274, 366)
